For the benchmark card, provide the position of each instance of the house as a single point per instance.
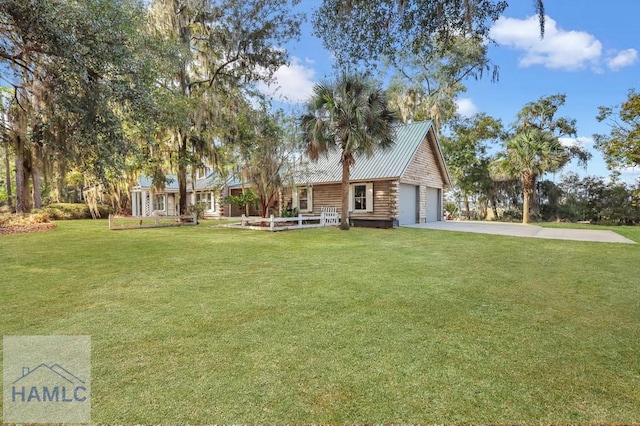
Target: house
(147, 200)
(398, 186)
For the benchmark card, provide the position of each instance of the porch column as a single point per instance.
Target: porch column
(146, 208)
(134, 203)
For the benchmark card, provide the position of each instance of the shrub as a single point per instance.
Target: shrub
(289, 212)
(511, 216)
(63, 211)
(24, 222)
(200, 207)
(5, 219)
(38, 217)
(241, 200)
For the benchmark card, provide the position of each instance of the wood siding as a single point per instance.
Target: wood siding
(423, 168)
(384, 200)
(424, 171)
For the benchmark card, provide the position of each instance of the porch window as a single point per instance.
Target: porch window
(159, 202)
(361, 197)
(207, 199)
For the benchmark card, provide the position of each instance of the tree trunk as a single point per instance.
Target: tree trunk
(344, 220)
(527, 193)
(61, 187)
(494, 207)
(7, 172)
(182, 174)
(22, 178)
(525, 207)
(19, 180)
(37, 180)
(484, 207)
(466, 205)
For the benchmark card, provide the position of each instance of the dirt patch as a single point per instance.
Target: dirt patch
(22, 224)
(26, 228)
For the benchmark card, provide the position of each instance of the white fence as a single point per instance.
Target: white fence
(157, 221)
(328, 217)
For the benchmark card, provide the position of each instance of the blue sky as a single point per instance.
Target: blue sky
(590, 52)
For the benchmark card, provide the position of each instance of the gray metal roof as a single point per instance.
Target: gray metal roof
(384, 164)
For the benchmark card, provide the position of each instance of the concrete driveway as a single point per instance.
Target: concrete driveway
(532, 231)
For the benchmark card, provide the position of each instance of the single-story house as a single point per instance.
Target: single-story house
(398, 186)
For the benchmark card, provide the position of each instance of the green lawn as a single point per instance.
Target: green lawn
(211, 325)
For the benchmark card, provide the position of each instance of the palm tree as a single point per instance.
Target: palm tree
(529, 154)
(351, 114)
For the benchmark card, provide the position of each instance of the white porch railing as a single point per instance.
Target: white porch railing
(326, 218)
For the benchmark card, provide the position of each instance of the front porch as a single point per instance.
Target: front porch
(146, 203)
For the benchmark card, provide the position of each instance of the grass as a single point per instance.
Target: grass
(211, 325)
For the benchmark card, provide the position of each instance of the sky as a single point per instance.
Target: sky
(590, 53)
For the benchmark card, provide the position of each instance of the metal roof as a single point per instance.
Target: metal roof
(212, 181)
(383, 164)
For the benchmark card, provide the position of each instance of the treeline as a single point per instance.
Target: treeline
(95, 93)
(502, 173)
(593, 199)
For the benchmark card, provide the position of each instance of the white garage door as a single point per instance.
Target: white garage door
(408, 204)
(433, 205)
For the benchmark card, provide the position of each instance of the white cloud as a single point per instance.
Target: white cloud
(579, 141)
(629, 175)
(629, 170)
(559, 49)
(293, 83)
(623, 59)
(465, 107)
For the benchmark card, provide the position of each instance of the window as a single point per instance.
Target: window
(206, 198)
(203, 172)
(158, 202)
(303, 199)
(361, 197)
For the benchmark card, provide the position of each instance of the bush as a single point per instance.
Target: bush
(22, 223)
(289, 212)
(38, 217)
(5, 219)
(64, 211)
(511, 216)
(200, 207)
(242, 200)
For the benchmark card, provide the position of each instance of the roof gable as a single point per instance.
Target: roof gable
(383, 164)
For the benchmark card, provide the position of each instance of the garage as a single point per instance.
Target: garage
(408, 211)
(434, 206)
